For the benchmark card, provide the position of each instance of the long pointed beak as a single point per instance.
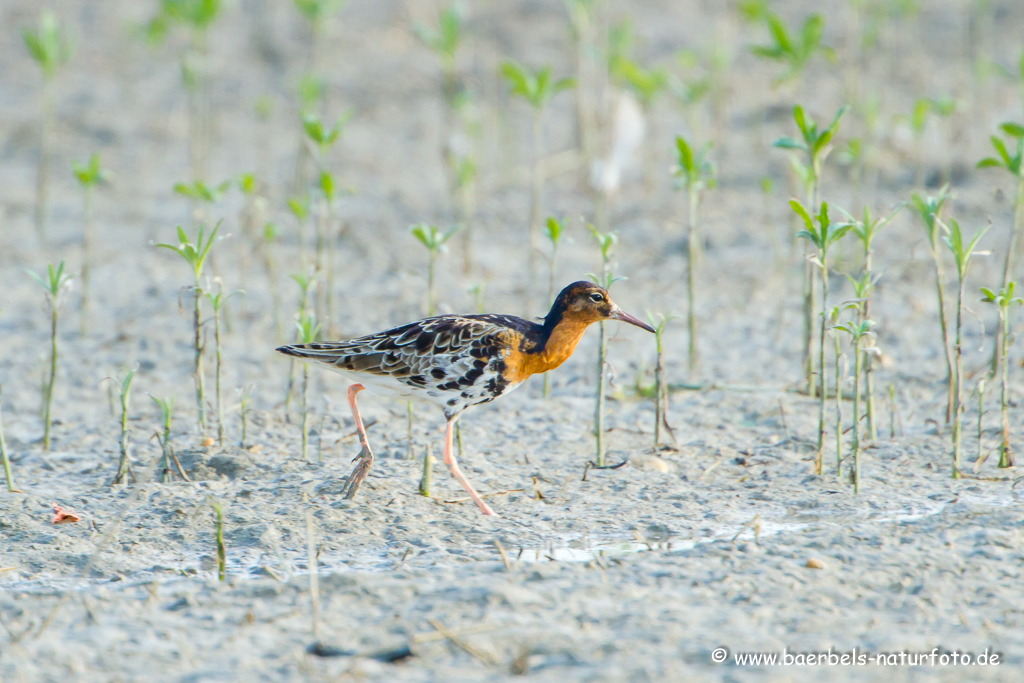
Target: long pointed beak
(619, 314)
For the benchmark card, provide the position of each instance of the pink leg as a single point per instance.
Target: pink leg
(453, 465)
(365, 456)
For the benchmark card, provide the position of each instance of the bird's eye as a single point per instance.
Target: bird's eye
(597, 297)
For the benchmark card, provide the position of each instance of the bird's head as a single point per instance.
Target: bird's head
(585, 303)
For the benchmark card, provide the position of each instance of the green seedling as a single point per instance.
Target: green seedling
(866, 229)
(536, 88)
(195, 255)
(307, 287)
(55, 284)
(1013, 164)
(553, 230)
(308, 330)
(3, 454)
(434, 240)
(929, 210)
(813, 145)
(197, 16)
(244, 399)
(754, 11)
(318, 13)
(124, 464)
(444, 42)
(980, 457)
(659, 321)
(606, 241)
(50, 48)
(217, 303)
(694, 173)
(200, 195)
(1004, 301)
(89, 175)
(218, 511)
(428, 467)
(793, 50)
(163, 436)
(833, 318)
(861, 335)
(823, 237)
(962, 254)
(323, 137)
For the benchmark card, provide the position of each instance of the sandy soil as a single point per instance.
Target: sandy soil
(637, 573)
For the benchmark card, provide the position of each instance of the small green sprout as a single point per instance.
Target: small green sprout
(605, 242)
(195, 255)
(929, 210)
(124, 464)
(866, 230)
(217, 303)
(50, 48)
(554, 229)
(823, 237)
(308, 330)
(163, 436)
(793, 50)
(694, 173)
(1014, 164)
(814, 146)
(321, 135)
(963, 252)
(434, 240)
(444, 41)
(55, 284)
(244, 399)
(659, 321)
(218, 511)
(536, 88)
(3, 454)
(861, 334)
(1004, 300)
(89, 175)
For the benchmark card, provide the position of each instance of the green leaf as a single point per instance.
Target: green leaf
(789, 143)
(804, 215)
(1013, 129)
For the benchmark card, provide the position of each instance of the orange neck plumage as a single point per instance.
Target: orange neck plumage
(555, 350)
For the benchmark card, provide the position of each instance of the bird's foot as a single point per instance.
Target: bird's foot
(362, 468)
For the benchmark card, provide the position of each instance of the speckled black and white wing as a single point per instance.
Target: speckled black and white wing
(450, 360)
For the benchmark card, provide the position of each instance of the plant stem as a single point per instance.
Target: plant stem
(220, 401)
(808, 304)
(197, 322)
(839, 408)
(981, 413)
(123, 465)
(958, 408)
(602, 350)
(1008, 264)
(221, 553)
(660, 390)
(428, 464)
(869, 376)
(48, 411)
(692, 258)
(1005, 454)
(857, 363)
(819, 463)
(305, 411)
(3, 454)
(87, 239)
(950, 379)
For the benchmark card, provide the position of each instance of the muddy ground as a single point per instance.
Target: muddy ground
(725, 539)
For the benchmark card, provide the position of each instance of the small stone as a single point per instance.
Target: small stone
(208, 442)
(814, 563)
(256, 448)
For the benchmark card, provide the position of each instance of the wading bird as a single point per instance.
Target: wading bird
(459, 361)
